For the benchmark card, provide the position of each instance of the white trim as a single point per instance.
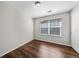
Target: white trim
(48, 27)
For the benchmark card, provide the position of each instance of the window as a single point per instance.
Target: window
(51, 27)
(55, 26)
(44, 27)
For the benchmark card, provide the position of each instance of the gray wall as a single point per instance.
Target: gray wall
(75, 28)
(65, 30)
(14, 29)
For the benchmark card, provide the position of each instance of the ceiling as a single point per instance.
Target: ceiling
(33, 11)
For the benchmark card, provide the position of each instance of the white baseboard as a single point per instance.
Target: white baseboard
(55, 42)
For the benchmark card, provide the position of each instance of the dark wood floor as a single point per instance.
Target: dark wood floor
(41, 49)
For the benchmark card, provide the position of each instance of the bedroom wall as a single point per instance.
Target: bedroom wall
(64, 39)
(75, 28)
(14, 29)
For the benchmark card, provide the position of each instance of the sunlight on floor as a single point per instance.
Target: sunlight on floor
(55, 53)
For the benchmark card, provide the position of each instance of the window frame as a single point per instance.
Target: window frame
(40, 28)
(49, 26)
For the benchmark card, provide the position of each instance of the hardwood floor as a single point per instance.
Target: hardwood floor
(41, 49)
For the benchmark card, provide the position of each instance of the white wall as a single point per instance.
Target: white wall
(75, 28)
(65, 30)
(16, 27)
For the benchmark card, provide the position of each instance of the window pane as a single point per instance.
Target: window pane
(44, 24)
(55, 31)
(55, 22)
(44, 30)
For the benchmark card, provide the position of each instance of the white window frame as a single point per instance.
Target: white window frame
(50, 27)
(60, 31)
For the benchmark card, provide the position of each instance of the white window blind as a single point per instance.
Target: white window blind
(51, 27)
(44, 27)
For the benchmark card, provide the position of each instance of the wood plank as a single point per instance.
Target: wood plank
(42, 49)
